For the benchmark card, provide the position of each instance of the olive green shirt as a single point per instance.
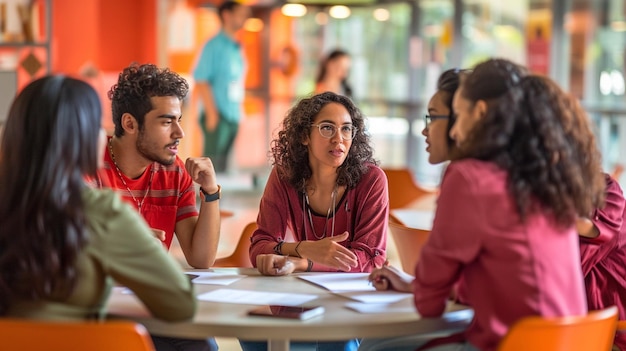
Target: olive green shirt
(121, 247)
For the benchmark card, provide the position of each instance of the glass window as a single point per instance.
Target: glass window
(597, 37)
(374, 36)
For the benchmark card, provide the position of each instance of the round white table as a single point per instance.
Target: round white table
(337, 322)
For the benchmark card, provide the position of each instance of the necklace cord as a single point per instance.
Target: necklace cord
(332, 208)
(119, 173)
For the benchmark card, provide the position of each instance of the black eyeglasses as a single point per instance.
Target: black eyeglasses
(328, 130)
(428, 119)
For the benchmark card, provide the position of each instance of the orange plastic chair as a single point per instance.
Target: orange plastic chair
(395, 220)
(409, 243)
(403, 190)
(593, 332)
(26, 334)
(617, 171)
(226, 214)
(241, 256)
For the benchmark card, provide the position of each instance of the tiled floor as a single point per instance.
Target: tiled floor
(241, 197)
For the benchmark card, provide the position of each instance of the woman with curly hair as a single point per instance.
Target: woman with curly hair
(325, 205)
(62, 242)
(504, 231)
(325, 191)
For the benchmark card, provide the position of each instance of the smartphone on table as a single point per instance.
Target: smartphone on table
(292, 312)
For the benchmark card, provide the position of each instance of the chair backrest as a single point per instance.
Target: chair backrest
(593, 332)
(617, 171)
(403, 190)
(241, 256)
(25, 334)
(409, 243)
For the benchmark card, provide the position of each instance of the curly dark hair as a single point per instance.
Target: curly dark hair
(136, 85)
(291, 157)
(541, 136)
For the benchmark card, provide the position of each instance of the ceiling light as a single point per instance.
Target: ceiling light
(339, 11)
(618, 26)
(293, 10)
(253, 25)
(381, 14)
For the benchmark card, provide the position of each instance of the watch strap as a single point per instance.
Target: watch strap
(212, 197)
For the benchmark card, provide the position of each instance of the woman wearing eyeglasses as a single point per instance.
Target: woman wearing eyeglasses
(439, 120)
(325, 205)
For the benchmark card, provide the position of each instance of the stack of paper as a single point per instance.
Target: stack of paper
(355, 286)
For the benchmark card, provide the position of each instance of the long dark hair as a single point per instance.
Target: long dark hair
(49, 145)
(334, 55)
(541, 136)
(291, 157)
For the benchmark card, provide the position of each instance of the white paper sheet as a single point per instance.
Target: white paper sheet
(379, 308)
(214, 278)
(250, 297)
(124, 290)
(419, 219)
(376, 297)
(340, 282)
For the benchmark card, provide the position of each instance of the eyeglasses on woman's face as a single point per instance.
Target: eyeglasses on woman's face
(428, 119)
(328, 130)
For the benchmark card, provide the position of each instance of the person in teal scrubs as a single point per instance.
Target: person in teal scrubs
(219, 77)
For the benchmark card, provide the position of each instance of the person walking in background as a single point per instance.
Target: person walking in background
(219, 82)
(62, 241)
(333, 74)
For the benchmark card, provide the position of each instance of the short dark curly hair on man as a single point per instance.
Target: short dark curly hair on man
(541, 136)
(136, 85)
(291, 157)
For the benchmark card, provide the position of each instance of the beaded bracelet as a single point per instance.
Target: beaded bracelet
(278, 249)
(310, 266)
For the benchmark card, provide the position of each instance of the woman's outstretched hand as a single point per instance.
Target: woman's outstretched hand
(329, 252)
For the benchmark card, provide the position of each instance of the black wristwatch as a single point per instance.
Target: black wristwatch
(212, 197)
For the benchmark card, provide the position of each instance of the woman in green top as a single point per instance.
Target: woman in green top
(62, 243)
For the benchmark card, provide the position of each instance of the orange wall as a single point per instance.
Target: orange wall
(74, 34)
(129, 35)
(108, 33)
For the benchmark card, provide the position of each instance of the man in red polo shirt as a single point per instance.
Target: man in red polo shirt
(142, 164)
